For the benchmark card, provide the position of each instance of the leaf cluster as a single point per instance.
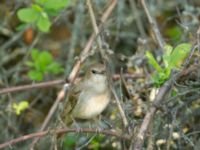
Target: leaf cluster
(42, 63)
(39, 12)
(172, 59)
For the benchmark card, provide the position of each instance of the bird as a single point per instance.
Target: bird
(89, 97)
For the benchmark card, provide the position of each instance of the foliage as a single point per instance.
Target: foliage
(70, 141)
(38, 14)
(42, 63)
(23, 105)
(172, 59)
(96, 142)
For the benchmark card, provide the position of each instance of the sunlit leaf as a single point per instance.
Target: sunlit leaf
(179, 54)
(34, 54)
(23, 105)
(51, 4)
(35, 75)
(43, 23)
(54, 68)
(153, 62)
(28, 15)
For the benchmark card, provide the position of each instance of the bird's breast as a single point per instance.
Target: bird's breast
(90, 106)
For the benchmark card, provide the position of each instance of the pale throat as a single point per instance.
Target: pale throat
(97, 84)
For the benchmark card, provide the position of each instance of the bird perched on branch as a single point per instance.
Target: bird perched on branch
(89, 97)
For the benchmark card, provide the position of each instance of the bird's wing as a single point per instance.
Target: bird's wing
(71, 102)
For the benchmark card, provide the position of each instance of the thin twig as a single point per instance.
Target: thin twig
(94, 25)
(31, 86)
(198, 39)
(57, 82)
(154, 25)
(62, 131)
(74, 71)
(138, 21)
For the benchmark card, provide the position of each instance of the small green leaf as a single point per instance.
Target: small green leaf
(37, 8)
(23, 105)
(160, 77)
(168, 49)
(43, 60)
(21, 27)
(179, 54)
(167, 52)
(153, 62)
(55, 68)
(174, 33)
(34, 54)
(28, 15)
(35, 75)
(69, 141)
(59, 4)
(43, 23)
(41, 2)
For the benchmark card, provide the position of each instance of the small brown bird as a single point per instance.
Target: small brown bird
(89, 97)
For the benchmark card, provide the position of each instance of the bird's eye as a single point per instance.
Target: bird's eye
(94, 71)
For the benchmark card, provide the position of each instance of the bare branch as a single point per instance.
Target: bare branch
(149, 115)
(31, 86)
(154, 25)
(62, 131)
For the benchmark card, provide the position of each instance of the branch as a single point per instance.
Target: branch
(149, 115)
(154, 26)
(56, 82)
(62, 131)
(31, 86)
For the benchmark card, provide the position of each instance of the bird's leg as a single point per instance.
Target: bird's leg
(102, 123)
(107, 123)
(76, 124)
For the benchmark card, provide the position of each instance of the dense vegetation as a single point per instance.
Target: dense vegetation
(152, 49)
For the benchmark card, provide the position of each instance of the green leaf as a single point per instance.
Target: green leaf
(37, 8)
(55, 68)
(168, 49)
(43, 60)
(174, 33)
(69, 141)
(167, 52)
(35, 75)
(23, 105)
(153, 62)
(43, 22)
(179, 54)
(41, 2)
(28, 15)
(35, 54)
(21, 27)
(59, 4)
